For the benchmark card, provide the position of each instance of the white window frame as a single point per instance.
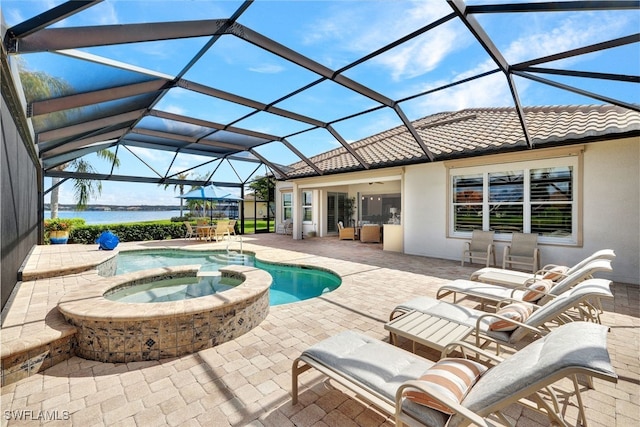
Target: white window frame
(575, 162)
(307, 205)
(285, 206)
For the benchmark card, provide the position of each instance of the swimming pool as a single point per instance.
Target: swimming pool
(290, 284)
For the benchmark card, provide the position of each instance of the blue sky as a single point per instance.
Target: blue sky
(334, 34)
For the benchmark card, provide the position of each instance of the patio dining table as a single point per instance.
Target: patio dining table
(205, 231)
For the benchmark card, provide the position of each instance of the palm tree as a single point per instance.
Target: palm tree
(180, 187)
(84, 189)
(38, 86)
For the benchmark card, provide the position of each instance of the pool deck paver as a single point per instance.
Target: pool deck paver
(246, 382)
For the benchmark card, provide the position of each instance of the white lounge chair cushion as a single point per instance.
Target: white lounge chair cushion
(452, 378)
(594, 288)
(483, 290)
(376, 365)
(519, 312)
(576, 344)
(536, 287)
(557, 272)
(381, 368)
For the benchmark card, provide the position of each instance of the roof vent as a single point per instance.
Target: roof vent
(447, 121)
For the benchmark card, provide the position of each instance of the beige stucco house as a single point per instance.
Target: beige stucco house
(577, 186)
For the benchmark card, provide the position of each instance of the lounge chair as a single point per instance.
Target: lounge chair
(513, 278)
(523, 250)
(490, 327)
(386, 376)
(480, 247)
(537, 291)
(346, 233)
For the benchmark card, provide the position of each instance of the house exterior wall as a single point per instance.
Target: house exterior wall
(612, 204)
(608, 191)
(610, 211)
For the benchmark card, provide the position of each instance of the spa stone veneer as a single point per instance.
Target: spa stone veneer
(112, 331)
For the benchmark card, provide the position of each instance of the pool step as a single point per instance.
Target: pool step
(231, 258)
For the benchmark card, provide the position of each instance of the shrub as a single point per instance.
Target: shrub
(132, 232)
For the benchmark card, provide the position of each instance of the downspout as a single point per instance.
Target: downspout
(296, 232)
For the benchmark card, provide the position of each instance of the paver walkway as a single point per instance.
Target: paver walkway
(246, 382)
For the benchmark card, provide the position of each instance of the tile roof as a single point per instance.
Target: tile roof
(477, 131)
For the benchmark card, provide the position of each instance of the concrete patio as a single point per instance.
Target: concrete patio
(247, 381)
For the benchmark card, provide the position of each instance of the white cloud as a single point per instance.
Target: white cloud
(267, 68)
(150, 155)
(13, 16)
(158, 49)
(491, 91)
(103, 13)
(555, 36)
(545, 38)
(420, 56)
(363, 31)
(175, 109)
(106, 13)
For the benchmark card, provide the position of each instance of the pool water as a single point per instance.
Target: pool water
(290, 284)
(175, 289)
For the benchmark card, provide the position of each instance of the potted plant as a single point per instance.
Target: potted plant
(349, 210)
(57, 230)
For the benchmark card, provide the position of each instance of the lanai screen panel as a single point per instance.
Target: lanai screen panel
(248, 80)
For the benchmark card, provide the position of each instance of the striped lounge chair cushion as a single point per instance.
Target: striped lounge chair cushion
(451, 378)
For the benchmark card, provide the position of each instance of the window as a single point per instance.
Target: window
(377, 208)
(506, 201)
(527, 197)
(307, 204)
(552, 201)
(467, 202)
(287, 206)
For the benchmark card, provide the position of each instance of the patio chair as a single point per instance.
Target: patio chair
(232, 226)
(221, 229)
(190, 233)
(345, 233)
(394, 380)
(523, 250)
(538, 291)
(285, 227)
(505, 327)
(370, 233)
(203, 229)
(514, 278)
(480, 247)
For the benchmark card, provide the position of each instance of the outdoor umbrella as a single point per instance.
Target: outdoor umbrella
(212, 193)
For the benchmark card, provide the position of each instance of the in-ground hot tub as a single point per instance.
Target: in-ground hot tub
(114, 331)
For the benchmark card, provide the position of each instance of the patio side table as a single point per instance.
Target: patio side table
(431, 331)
